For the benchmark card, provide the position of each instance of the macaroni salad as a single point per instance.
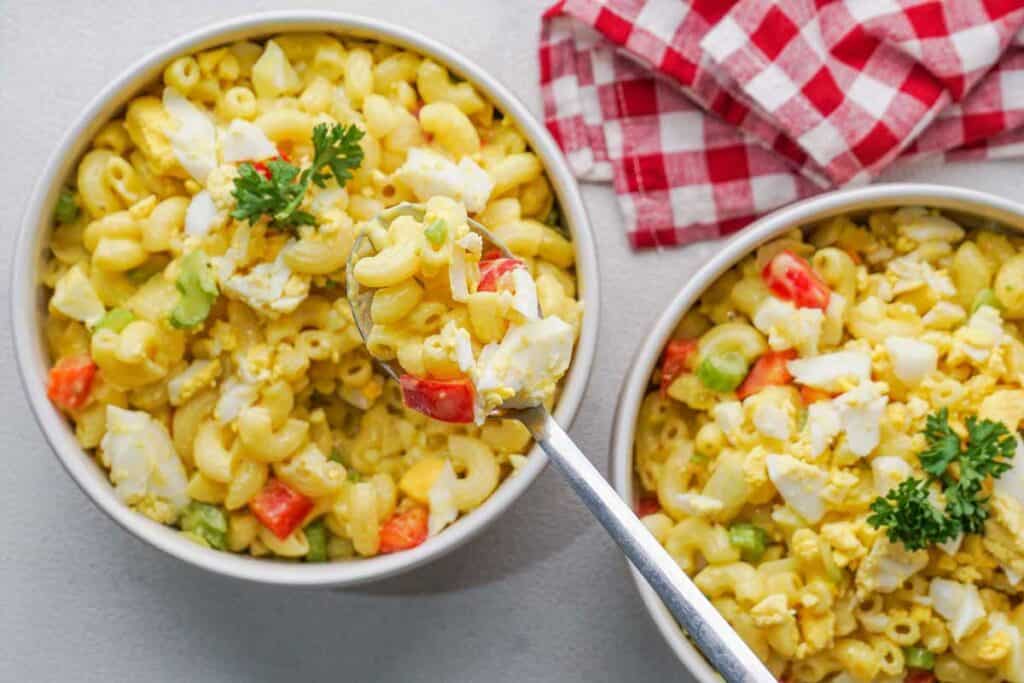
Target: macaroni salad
(831, 450)
(202, 343)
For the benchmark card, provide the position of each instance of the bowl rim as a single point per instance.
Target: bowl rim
(638, 375)
(26, 299)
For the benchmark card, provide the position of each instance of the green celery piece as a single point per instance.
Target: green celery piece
(722, 372)
(985, 297)
(437, 232)
(208, 522)
(919, 658)
(198, 291)
(116, 319)
(66, 210)
(316, 534)
(354, 476)
(750, 539)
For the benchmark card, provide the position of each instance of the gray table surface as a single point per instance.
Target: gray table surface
(542, 595)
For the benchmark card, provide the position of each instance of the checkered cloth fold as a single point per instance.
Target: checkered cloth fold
(706, 114)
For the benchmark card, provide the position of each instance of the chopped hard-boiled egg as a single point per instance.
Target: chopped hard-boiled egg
(429, 174)
(982, 333)
(823, 425)
(193, 137)
(443, 510)
(522, 369)
(772, 420)
(827, 371)
(888, 565)
(889, 472)
(270, 288)
(244, 141)
(860, 412)
(728, 416)
(912, 360)
(75, 297)
(201, 215)
(800, 485)
(959, 604)
(142, 460)
(789, 327)
(524, 300)
(190, 381)
(235, 396)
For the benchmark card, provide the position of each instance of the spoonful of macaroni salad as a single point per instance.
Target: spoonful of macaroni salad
(497, 354)
(494, 352)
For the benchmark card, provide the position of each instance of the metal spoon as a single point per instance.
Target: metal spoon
(735, 661)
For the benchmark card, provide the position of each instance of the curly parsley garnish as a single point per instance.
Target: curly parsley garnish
(279, 196)
(907, 511)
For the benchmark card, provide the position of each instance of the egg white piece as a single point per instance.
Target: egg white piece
(443, 510)
(826, 371)
(959, 603)
(142, 460)
(912, 360)
(860, 412)
(823, 426)
(428, 174)
(889, 471)
(194, 139)
(888, 565)
(245, 141)
(235, 396)
(201, 215)
(525, 298)
(800, 485)
(527, 362)
(75, 297)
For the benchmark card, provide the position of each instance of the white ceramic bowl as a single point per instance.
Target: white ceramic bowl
(635, 386)
(28, 305)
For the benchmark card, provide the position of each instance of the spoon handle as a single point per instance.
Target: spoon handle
(727, 652)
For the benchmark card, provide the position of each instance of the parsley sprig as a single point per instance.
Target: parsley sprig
(961, 469)
(279, 196)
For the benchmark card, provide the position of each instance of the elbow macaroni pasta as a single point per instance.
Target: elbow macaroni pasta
(276, 385)
(762, 494)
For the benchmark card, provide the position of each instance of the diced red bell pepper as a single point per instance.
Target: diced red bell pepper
(647, 505)
(448, 400)
(490, 255)
(769, 370)
(680, 356)
(920, 676)
(491, 271)
(404, 530)
(279, 508)
(791, 278)
(811, 395)
(263, 169)
(71, 381)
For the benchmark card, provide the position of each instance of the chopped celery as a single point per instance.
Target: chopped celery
(198, 290)
(67, 208)
(207, 522)
(750, 539)
(722, 372)
(354, 476)
(919, 658)
(316, 534)
(336, 455)
(699, 459)
(116, 319)
(985, 297)
(436, 233)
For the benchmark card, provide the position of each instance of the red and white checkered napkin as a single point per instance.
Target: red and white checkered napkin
(707, 113)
